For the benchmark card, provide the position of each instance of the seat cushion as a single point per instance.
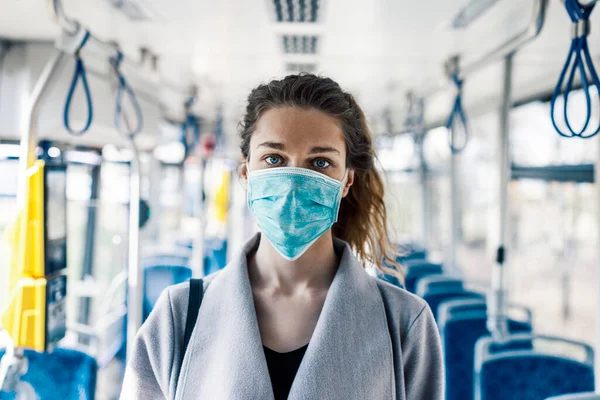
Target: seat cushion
(60, 375)
(532, 378)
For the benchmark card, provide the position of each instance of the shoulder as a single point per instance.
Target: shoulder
(178, 294)
(402, 307)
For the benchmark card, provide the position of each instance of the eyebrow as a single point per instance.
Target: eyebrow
(272, 145)
(317, 150)
(314, 150)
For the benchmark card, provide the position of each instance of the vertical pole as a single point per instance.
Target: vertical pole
(497, 323)
(29, 132)
(154, 200)
(198, 252)
(425, 196)
(13, 364)
(90, 241)
(455, 212)
(597, 351)
(426, 210)
(135, 280)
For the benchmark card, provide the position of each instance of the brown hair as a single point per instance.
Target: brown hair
(362, 220)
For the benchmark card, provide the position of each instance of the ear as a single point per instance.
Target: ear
(243, 173)
(243, 170)
(349, 182)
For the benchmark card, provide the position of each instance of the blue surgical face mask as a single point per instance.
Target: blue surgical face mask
(293, 206)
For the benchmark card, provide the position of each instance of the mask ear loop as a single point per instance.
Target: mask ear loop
(343, 183)
(344, 180)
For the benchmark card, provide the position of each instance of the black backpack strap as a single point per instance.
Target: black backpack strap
(194, 302)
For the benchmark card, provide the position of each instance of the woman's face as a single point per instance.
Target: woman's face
(302, 138)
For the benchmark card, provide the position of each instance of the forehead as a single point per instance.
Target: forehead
(299, 128)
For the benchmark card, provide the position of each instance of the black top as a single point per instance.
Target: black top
(282, 369)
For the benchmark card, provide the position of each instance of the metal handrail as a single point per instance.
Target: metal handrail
(71, 27)
(533, 29)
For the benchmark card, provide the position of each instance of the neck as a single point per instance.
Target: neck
(314, 269)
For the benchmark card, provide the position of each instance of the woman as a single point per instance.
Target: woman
(296, 314)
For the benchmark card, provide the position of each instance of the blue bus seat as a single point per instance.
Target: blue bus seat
(158, 274)
(438, 283)
(436, 289)
(409, 251)
(166, 259)
(462, 323)
(63, 374)
(215, 252)
(389, 279)
(416, 269)
(576, 396)
(503, 372)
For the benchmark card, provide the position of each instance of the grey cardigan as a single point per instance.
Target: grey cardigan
(372, 341)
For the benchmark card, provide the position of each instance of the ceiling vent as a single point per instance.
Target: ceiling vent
(297, 10)
(296, 68)
(299, 44)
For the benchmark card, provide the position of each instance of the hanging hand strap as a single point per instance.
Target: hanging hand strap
(578, 59)
(124, 88)
(191, 123)
(79, 75)
(457, 111)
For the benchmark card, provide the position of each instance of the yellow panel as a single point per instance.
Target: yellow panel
(34, 249)
(222, 197)
(24, 318)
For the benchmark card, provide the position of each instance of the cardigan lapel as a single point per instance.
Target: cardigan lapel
(349, 355)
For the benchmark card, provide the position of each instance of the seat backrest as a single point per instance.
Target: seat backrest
(410, 251)
(436, 299)
(165, 260)
(417, 269)
(389, 279)
(157, 278)
(436, 289)
(62, 374)
(477, 308)
(462, 323)
(411, 256)
(215, 255)
(503, 372)
(438, 284)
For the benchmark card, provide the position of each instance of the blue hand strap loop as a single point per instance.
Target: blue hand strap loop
(191, 122)
(124, 88)
(190, 102)
(578, 60)
(79, 75)
(457, 112)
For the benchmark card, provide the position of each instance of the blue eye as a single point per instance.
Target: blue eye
(273, 160)
(321, 163)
